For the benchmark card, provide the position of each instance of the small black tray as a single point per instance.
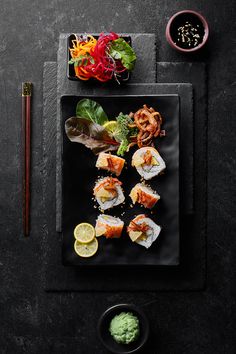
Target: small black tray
(70, 68)
(79, 175)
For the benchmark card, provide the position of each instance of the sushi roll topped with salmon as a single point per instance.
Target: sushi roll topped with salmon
(148, 162)
(111, 163)
(108, 192)
(144, 195)
(108, 226)
(143, 230)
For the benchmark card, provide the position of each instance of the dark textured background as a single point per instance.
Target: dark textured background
(32, 321)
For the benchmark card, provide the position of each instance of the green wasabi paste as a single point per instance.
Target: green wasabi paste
(124, 328)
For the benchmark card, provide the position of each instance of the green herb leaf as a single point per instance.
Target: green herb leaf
(90, 134)
(91, 110)
(77, 62)
(120, 49)
(82, 60)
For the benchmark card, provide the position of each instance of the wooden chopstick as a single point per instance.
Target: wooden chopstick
(26, 122)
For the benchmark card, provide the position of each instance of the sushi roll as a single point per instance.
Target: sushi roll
(111, 163)
(143, 230)
(148, 162)
(108, 226)
(108, 192)
(144, 195)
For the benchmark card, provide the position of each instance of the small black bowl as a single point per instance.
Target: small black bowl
(109, 342)
(178, 20)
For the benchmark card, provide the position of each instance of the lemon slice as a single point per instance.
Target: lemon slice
(84, 232)
(111, 126)
(86, 250)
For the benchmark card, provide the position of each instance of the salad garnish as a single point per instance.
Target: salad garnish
(94, 136)
(92, 128)
(103, 58)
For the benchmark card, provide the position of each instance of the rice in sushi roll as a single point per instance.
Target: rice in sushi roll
(108, 192)
(144, 195)
(148, 162)
(143, 230)
(108, 226)
(111, 163)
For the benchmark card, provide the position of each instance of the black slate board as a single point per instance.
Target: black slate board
(190, 275)
(79, 175)
(196, 74)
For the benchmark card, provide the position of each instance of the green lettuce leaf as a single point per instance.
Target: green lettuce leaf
(91, 110)
(121, 50)
(90, 134)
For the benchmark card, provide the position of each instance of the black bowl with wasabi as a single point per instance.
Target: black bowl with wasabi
(123, 329)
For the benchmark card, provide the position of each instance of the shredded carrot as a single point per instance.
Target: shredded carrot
(143, 227)
(81, 48)
(108, 183)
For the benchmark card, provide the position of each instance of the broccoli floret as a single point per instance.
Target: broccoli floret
(123, 147)
(133, 131)
(124, 132)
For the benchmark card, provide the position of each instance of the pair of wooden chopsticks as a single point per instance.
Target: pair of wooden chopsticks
(26, 122)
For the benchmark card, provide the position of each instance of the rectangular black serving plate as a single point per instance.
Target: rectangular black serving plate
(70, 68)
(79, 175)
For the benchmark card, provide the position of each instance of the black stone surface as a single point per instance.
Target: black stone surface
(79, 175)
(196, 74)
(192, 273)
(33, 321)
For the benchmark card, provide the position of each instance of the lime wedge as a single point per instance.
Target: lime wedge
(111, 127)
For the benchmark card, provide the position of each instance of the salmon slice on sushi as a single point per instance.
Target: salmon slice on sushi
(108, 192)
(111, 163)
(148, 162)
(144, 195)
(143, 230)
(108, 226)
